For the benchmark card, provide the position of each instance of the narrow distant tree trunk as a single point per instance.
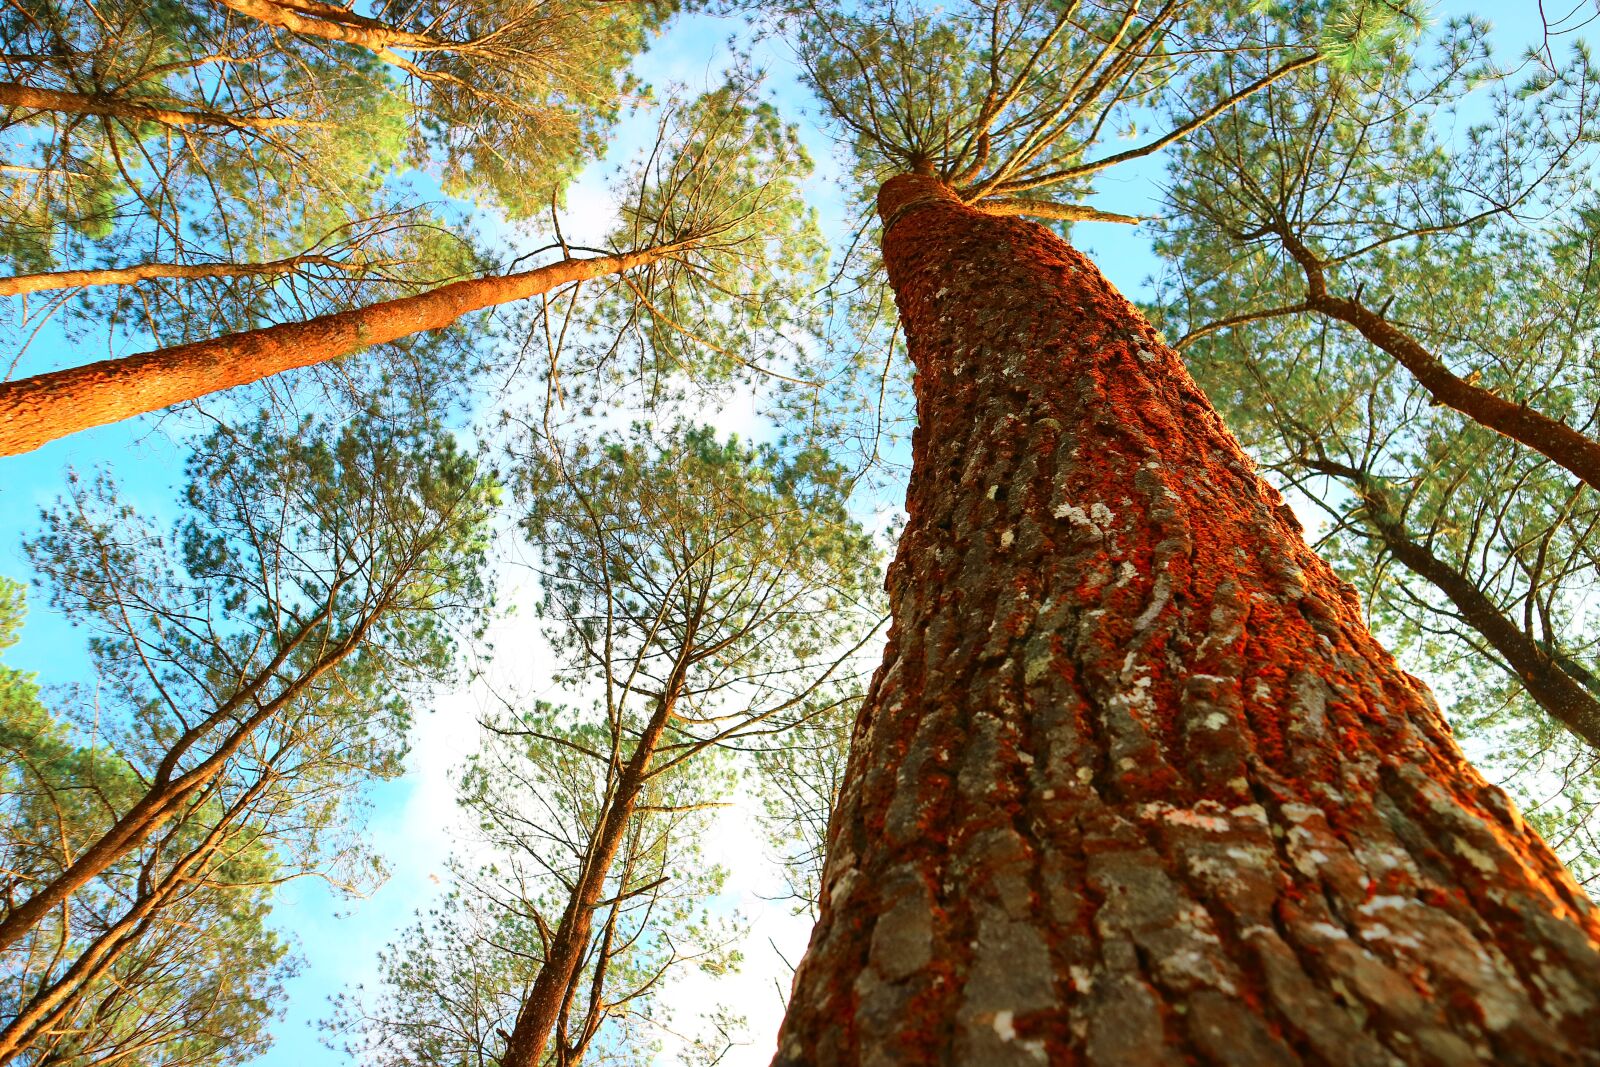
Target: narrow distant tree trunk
(168, 791)
(13, 94)
(564, 955)
(35, 411)
(22, 284)
(1134, 785)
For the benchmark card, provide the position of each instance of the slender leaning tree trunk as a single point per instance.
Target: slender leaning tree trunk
(35, 411)
(1135, 785)
(570, 944)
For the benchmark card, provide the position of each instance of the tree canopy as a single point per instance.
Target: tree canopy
(537, 405)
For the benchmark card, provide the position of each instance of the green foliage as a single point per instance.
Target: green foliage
(722, 183)
(254, 669)
(301, 151)
(680, 571)
(998, 99)
(1451, 197)
(195, 987)
(1353, 33)
(513, 117)
(222, 191)
(762, 536)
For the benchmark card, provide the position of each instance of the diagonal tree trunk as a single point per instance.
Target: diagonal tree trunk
(169, 792)
(1550, 437)
(1134, 784)
(22, 284)
(35, 411)
(333, 23)
(15, 95)
(570, 942)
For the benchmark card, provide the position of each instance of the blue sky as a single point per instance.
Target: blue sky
(411, 821)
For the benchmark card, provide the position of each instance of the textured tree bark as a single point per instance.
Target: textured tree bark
(333, 23)
(35, 411)
(1134, 784)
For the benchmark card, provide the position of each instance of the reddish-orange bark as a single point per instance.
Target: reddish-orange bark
(37, 410)
(22, 284)
(334, 23)
(1134, 784)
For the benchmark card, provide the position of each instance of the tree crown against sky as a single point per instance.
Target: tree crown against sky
(1415, 185)
(711, 266)
(255, 668)
(705, 597)
(1013, 105)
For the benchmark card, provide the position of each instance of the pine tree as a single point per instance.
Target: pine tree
(705, 596)
(1447, 210)
(1134, 784)
(253, 669)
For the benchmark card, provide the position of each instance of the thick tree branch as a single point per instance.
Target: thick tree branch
(1550, 437)
(1566, 698)
(1049, 209)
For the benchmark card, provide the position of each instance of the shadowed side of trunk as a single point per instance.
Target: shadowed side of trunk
(1134, 784)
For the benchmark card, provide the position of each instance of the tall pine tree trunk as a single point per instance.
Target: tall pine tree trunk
(569, 945)
(35, 411)
(1135, 785)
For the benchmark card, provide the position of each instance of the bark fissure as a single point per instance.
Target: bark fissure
(1135, 784)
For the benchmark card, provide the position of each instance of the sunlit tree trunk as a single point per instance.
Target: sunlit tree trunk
(334, 23)
(23, 284)
(1134, 784)
(35, 411)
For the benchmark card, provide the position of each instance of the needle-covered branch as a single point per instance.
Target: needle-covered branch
(253, 670)
(720, 578)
